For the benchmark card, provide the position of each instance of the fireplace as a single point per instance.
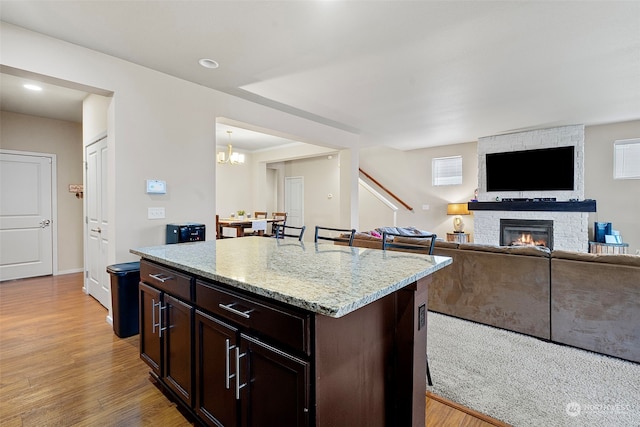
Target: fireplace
(526, 232)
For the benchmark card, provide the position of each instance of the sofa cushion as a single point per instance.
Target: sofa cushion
(403, 231)
(511, 250)
(621, 259)
(447, 245)
(363, 235)
(418, 241)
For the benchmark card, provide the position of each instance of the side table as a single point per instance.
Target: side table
(608, 248)
(458, 237)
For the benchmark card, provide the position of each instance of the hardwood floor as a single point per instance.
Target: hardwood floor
(61, 365)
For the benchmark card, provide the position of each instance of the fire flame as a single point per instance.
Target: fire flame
(526, 239)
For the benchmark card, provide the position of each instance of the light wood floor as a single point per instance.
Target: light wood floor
(62, 365)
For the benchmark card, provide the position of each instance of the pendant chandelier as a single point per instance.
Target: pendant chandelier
(230, 156)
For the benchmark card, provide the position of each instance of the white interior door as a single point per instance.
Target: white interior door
(294, 200)
(97, 280)
(26, 236)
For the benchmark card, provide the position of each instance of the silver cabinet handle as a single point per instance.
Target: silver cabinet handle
(153, 316)
(96, 230)
(161, 277)
(238, 385)
(229, 307)
(227, 376)
(157, 324)
(160, 328)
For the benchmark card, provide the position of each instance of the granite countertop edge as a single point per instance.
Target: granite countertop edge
(306, 304)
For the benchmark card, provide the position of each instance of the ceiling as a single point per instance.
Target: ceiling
(405, 74)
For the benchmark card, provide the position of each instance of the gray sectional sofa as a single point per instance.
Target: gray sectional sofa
(584, 300)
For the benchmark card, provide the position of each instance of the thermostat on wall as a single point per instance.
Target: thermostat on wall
(155, 186)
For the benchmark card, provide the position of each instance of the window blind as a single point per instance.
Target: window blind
(626, 159)
(447, 170)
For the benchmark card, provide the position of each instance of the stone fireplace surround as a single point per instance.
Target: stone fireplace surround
(571, 229)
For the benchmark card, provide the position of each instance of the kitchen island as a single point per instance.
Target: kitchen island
(260, 331)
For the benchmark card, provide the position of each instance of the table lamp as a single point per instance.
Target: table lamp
(458, 209)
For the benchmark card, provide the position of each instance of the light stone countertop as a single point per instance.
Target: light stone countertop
(327, 279)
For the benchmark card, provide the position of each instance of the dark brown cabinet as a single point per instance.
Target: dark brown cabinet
(150, 343)
(177, 335)
(276, 386)
(218, 352)
(166, 328)
(233, 358)
(240, 379)
(216, 401)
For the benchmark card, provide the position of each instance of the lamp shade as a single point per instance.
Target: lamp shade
(457, 209)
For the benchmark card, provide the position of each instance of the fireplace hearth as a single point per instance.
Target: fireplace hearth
(526, 232)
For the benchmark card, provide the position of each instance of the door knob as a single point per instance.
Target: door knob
(45, 223)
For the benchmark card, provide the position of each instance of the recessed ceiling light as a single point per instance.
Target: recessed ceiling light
(208, 63)
(32, 87)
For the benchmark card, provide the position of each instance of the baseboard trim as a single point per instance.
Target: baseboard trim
(476, 414)
(73, 270)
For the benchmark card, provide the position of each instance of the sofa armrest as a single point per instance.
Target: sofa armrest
(595, 305)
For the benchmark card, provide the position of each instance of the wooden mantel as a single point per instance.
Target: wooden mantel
(529, 205)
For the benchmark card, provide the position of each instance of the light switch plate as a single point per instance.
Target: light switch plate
(155, 213)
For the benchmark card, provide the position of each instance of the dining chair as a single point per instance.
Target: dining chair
(256, 215)
(321, 235)
(405, 244)
(283, 231)
(280, 219)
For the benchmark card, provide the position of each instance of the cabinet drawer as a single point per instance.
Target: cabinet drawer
(272, 322)
(166, 279)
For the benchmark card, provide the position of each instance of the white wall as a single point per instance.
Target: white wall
(321, 179)
(408, 175)
(618, 200)
(164, 127)
(234, 188)
(160, 127)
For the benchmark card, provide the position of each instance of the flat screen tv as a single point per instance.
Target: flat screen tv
(548, 169)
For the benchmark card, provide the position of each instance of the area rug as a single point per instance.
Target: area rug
(525, 381)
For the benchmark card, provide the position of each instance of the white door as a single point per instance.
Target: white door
(97, 280)
(294, 200)
(26, 236)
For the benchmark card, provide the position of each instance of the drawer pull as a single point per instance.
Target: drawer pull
(238, 385)
(161, 277)
(229, 307)
(157, 324)
(228, 376)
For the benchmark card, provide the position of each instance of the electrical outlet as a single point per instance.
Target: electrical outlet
(155, 213)
(422, 317)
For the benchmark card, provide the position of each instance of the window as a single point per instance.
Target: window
(626, 159)
(447, 170)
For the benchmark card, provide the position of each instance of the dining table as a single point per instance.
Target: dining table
(259, 225)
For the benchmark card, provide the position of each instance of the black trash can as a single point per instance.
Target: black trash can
(124, 297)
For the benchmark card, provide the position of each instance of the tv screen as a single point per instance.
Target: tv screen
(549, 169)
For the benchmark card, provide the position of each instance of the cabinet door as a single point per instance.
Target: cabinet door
(215, 393)
(150, 343)
(178, 336)
(277, 386)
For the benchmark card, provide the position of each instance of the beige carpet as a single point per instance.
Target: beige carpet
(525, 381)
